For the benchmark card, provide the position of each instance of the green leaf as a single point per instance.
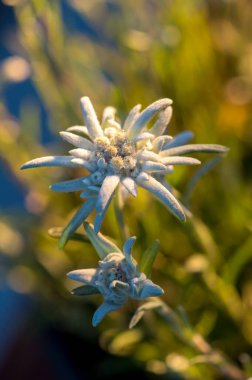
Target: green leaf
(85, 290)
(152, 304)
(102, 245)
(56, 233)
(238, 261)
(148, 258)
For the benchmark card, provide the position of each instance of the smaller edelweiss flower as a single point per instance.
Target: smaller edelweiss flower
(128, 155)
(116, 279)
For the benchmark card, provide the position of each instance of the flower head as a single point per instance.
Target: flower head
(128, 155)
(116, 279)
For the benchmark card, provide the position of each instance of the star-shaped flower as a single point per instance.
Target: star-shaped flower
(128, 155)
(116, 279)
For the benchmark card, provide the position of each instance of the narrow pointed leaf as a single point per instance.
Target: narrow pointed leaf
(141, 310)
(85, 290)
(76, 221)
(101, 244)
(148, 258)
(56, 232)
(99, 217)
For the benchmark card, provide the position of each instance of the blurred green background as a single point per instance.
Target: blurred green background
(120, 53)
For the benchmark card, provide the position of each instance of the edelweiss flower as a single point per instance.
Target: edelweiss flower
(127, 154)
(117, 279)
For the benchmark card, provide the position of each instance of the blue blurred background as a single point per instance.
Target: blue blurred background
(198, 53)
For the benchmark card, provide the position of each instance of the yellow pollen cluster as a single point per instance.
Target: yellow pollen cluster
(117, 163)
(117, 152)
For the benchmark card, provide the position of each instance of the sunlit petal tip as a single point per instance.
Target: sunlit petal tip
(180, 160)
(142, 177)
(90, 118)
(83, 275)
(133, 114)
(147, 114)
(151, 290)
(162, 121)
(163, 195)
(78, 129)
(130, 185)
(76, 140)
(49, 161)
(194, 148)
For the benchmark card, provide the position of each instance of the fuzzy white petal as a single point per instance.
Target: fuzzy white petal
(50, 161)
(146, 155)
(150, 166)
(108, 114)
(163, 195)
(132, 116)
(160, 141)
(78, 129)
(143, 136)
(147, 114)
(105, 196)
(193, 148)
(78, 141)
(90, 118)
(162, 121)
(130, 185)
(91, 166)
(84, 275)
(81, 153)
(106, 192)
(179, 160)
